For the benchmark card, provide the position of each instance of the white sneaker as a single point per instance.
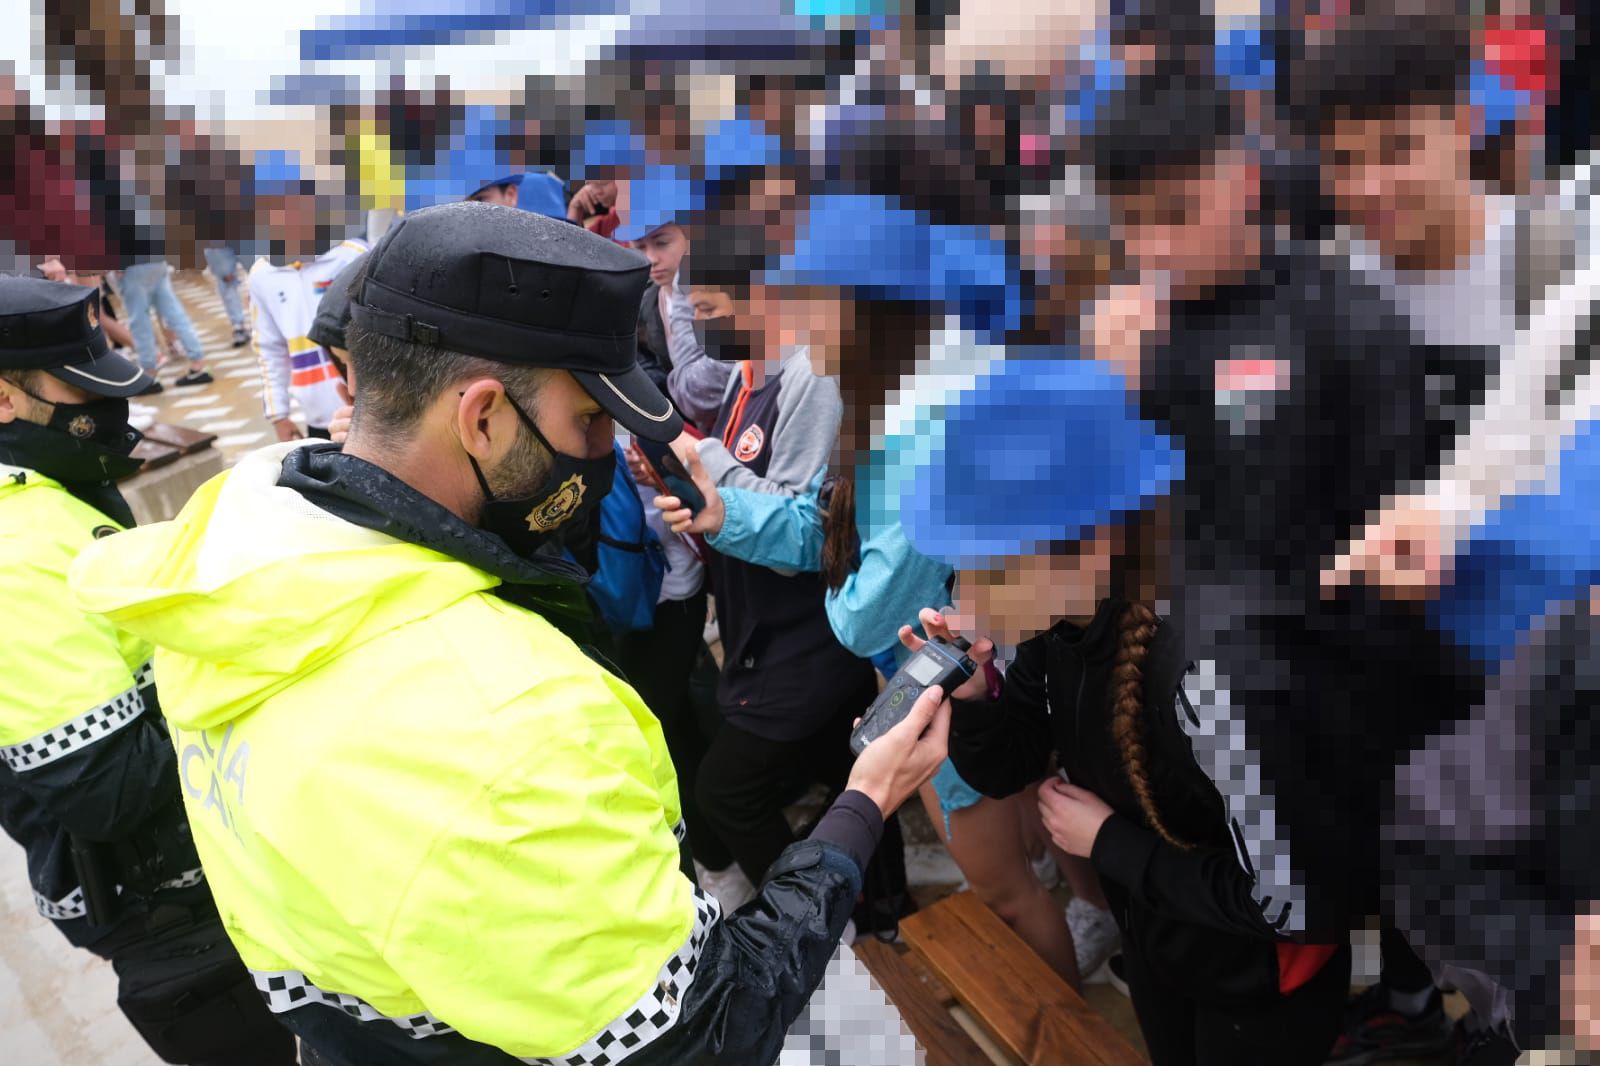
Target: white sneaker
(1095, 937)
(1045, 869)
(731, 887)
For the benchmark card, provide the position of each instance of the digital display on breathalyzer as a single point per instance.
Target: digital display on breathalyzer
(924, 669)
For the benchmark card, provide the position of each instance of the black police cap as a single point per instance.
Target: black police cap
(517, 287)
(54, 326)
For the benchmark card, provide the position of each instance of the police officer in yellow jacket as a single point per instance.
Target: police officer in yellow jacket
(88, 776)
(438, 831)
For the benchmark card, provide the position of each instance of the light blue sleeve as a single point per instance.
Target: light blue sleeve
(893, 583)
(770, 530)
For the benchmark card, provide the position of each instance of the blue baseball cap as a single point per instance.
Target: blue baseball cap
(537, 191)
(276, 172)
(608, 143)
(660, 195)
(738, 144)
(1538, 549)
(877, 249)
(1038, 452)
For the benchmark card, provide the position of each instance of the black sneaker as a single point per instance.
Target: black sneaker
(1375, 1031)
(152, 388)
(1484, 1047)
(241, 337)
(194, 377)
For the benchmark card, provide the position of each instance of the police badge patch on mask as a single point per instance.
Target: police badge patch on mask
(558, 507)
(571, 488)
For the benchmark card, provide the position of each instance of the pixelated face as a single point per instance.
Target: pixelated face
(496, 194)
(709, 303)
(290, 222)
(791, 317)
(1396, 177)
(665, 248)
(1030, 593)
(1195, 224)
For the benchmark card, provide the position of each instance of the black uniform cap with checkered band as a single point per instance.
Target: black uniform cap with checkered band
(517, 287)
(54, 326)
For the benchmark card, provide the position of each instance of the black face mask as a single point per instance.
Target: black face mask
(571, 489)
(85, 446)
(722, 341)
(82, 442)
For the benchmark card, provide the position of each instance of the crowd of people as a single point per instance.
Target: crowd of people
(1224, 389)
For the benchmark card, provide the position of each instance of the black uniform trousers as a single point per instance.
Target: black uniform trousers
(182, 985)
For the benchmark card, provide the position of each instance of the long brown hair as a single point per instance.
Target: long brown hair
(880, 346)
(1136, 577)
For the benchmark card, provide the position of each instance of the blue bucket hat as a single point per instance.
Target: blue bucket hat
(660, 195)
(1039, 452)
(879, 250)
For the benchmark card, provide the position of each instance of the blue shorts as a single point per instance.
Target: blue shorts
(954, 794)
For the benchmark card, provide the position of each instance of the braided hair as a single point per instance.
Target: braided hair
(1136, 627)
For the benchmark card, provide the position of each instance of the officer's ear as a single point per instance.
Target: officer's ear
(10, 398)
(486, 423)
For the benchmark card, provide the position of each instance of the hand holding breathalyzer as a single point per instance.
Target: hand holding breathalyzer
(902, 760)
(937, 626)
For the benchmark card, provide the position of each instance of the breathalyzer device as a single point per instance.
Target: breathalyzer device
(935, 663)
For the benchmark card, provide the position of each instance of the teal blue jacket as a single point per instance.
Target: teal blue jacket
(891, 585)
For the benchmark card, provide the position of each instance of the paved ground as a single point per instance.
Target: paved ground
(58, 1005)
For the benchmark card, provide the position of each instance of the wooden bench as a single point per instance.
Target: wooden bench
(962, 954)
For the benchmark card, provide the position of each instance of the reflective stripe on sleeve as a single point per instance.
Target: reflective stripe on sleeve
(145, 676)
(654, 1012)
(64, 909)
(68, 737)
(647, 1018)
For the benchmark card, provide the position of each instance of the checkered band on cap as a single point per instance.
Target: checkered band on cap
(286, 990)
(64, 909)
(657, 1010)
(97, 723)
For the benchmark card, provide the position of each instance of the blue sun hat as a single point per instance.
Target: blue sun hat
(877, 249)
(660, 195)
(1039, 452)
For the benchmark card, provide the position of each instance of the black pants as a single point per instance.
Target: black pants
(659, 663)
(1293, 1030)
(182, 985)
(746, 780)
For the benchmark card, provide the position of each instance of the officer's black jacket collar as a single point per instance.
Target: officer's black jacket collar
(369, 496)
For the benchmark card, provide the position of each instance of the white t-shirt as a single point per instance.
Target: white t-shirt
(1472, 305)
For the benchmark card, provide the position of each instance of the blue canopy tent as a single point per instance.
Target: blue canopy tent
(383, 25)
